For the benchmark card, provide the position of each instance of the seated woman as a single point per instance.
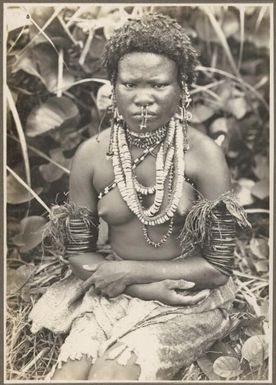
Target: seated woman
(160, 299)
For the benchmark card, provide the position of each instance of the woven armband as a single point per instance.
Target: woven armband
(71, 230)
(211, 225)
(219, 245)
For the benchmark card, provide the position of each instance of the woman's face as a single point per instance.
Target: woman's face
(147, 79)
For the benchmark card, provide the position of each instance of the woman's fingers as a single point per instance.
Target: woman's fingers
(191, 299)
(180, 284)
(112, 290)
(92, 267)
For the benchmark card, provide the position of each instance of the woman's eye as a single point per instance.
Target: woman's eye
(129, 85)
(160, 85)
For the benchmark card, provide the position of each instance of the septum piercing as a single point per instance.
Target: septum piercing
(144, 117)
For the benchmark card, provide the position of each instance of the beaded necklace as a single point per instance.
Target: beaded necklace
(169, 161)
(145, 140)
(135, 163)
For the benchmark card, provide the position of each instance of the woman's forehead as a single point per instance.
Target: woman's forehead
(146, 63)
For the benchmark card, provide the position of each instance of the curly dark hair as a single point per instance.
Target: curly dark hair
(154, 33)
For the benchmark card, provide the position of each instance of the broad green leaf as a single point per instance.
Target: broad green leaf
(243, 191)
(261, 189)
(48, 26)
(18, 278)
(261, 37)
(46, 60)
(206, 366)
(259, 247)
(50, 171)
(219, 125)
(255, 350)
(31, 230)
(252, 326)
(93, 59)
(16, 17)
(27, 64)
(250, 66)
(42, 61)
(227, 367)
(113, 21)
(219, 349)
(16, 193)
(55, 42)
(103, 96)
(237, 106)
(265, 309)
(52, 114)
(225, 91)
(232, 99)
(201, 113)
(229, 25)
(41, 14)
(205, 30)
(70, 141)
(261, 169)
(250, 10)
(107, 10)
(261, 266)
(68, 137)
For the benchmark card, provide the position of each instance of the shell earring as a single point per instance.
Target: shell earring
(116, 118)
(186, 116)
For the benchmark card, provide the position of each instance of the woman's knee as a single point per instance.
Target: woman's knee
(109, 369)
(73, 370)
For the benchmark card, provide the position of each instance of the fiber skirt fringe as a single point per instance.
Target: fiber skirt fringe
(164, 338)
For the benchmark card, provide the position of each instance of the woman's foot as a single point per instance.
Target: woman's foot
(73, 370)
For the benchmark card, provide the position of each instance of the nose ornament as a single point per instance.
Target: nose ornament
(144, 117)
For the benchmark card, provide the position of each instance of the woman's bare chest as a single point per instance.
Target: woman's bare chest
(113, 209)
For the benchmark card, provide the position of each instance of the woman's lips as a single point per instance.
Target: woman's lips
(148, 116)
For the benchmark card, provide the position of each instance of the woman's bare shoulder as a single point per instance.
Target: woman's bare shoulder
(206, 164)
(93, 149)
(202, 145)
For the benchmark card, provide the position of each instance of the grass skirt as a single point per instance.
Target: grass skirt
(164, 338)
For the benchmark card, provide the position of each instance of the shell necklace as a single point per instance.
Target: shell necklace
(169, 165)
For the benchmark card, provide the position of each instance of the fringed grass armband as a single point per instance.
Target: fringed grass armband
(212, 226)
(71, 230)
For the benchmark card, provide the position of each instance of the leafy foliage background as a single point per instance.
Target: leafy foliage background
(57, 96)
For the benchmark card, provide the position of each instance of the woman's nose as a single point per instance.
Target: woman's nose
(143, 98)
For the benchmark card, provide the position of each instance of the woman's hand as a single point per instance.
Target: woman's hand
(170, 292)
(110, 277)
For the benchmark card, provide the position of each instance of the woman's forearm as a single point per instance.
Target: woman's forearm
(77, 262)
(195, 269)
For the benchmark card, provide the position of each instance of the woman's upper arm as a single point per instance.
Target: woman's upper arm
(81, 189)
(212, 172)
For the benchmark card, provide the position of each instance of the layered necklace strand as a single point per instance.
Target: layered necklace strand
(145, 140)
(169, 164)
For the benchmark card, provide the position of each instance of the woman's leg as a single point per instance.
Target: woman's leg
(73, 370)
(106, 368)
(83, 342)
(159, 351)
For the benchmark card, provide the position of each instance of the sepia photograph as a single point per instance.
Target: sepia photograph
(138, 147)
